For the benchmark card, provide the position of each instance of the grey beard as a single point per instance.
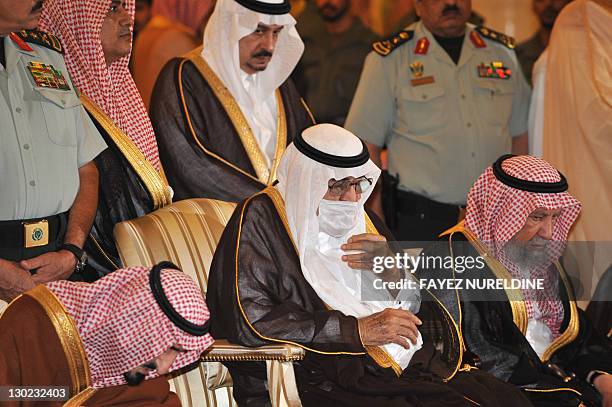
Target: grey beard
(524, 257)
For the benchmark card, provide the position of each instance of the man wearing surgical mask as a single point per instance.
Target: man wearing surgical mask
(294, 265)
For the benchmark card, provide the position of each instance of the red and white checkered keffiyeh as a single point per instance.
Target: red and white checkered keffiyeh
(122, 326)
(78, 25)
(496, 212)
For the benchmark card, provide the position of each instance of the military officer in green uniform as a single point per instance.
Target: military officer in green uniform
(336, 44)
(446, 98)
(49, 185)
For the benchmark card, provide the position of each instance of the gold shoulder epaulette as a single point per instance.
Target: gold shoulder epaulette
(385, 47)
(41, 38)
(502, 38)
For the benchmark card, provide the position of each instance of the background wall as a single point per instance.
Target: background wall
(512, 17)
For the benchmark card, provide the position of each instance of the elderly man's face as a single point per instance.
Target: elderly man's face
(257, 48)
(548, 10)
(17, 15)
(347, 189)
(116, 33)
(161, 364)
(538, 226)
(445, 18)
(530, 245)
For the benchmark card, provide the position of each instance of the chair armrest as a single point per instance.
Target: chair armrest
(223, 351)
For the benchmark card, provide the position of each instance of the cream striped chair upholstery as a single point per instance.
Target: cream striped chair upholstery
(186, 233)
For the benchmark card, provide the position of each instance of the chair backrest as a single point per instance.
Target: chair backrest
(185, 233)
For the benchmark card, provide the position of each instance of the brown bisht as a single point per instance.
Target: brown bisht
(40, 346)
(494, 324)
(258, 295)
(206, 145)
(129, 187)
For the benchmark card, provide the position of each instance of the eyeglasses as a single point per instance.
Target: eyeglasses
(361, 185)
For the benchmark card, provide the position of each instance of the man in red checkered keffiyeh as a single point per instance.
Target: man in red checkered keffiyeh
(524, 229)
(78, 24)
(97, 37)
(519, 214)
(132, 326)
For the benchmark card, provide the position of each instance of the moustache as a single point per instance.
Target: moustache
(538, 243)
(262, 53)
(37, 6)
(450, 9)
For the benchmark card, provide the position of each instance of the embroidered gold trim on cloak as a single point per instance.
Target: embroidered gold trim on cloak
(554, 390)
(515, 297)
(240, 123)
(193, 133)
(281, 139)
(68, 335)
(312, 118)
(150, 177)
(276, 200)
(102, 251)
(570, 334)
(385, 360)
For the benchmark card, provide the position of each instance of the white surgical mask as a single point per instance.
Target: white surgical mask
(337, 218)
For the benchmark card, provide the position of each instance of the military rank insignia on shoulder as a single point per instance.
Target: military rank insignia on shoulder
(497, 36)
(385, 47)
(41, 38)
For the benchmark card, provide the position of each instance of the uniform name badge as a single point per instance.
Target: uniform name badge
(417, 69)
(35, 234)
(46, 76)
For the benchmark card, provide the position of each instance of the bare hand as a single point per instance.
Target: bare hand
(51, 266)
(370, 245)
(14, 280)
(603, 383)
(390, 326)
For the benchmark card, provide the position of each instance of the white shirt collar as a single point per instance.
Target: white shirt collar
(248, 80)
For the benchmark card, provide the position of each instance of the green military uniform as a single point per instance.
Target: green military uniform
(528, 53)
(443, 123)
(46, 136)
(329, 70)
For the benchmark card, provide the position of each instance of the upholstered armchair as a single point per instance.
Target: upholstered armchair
(186, 233)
